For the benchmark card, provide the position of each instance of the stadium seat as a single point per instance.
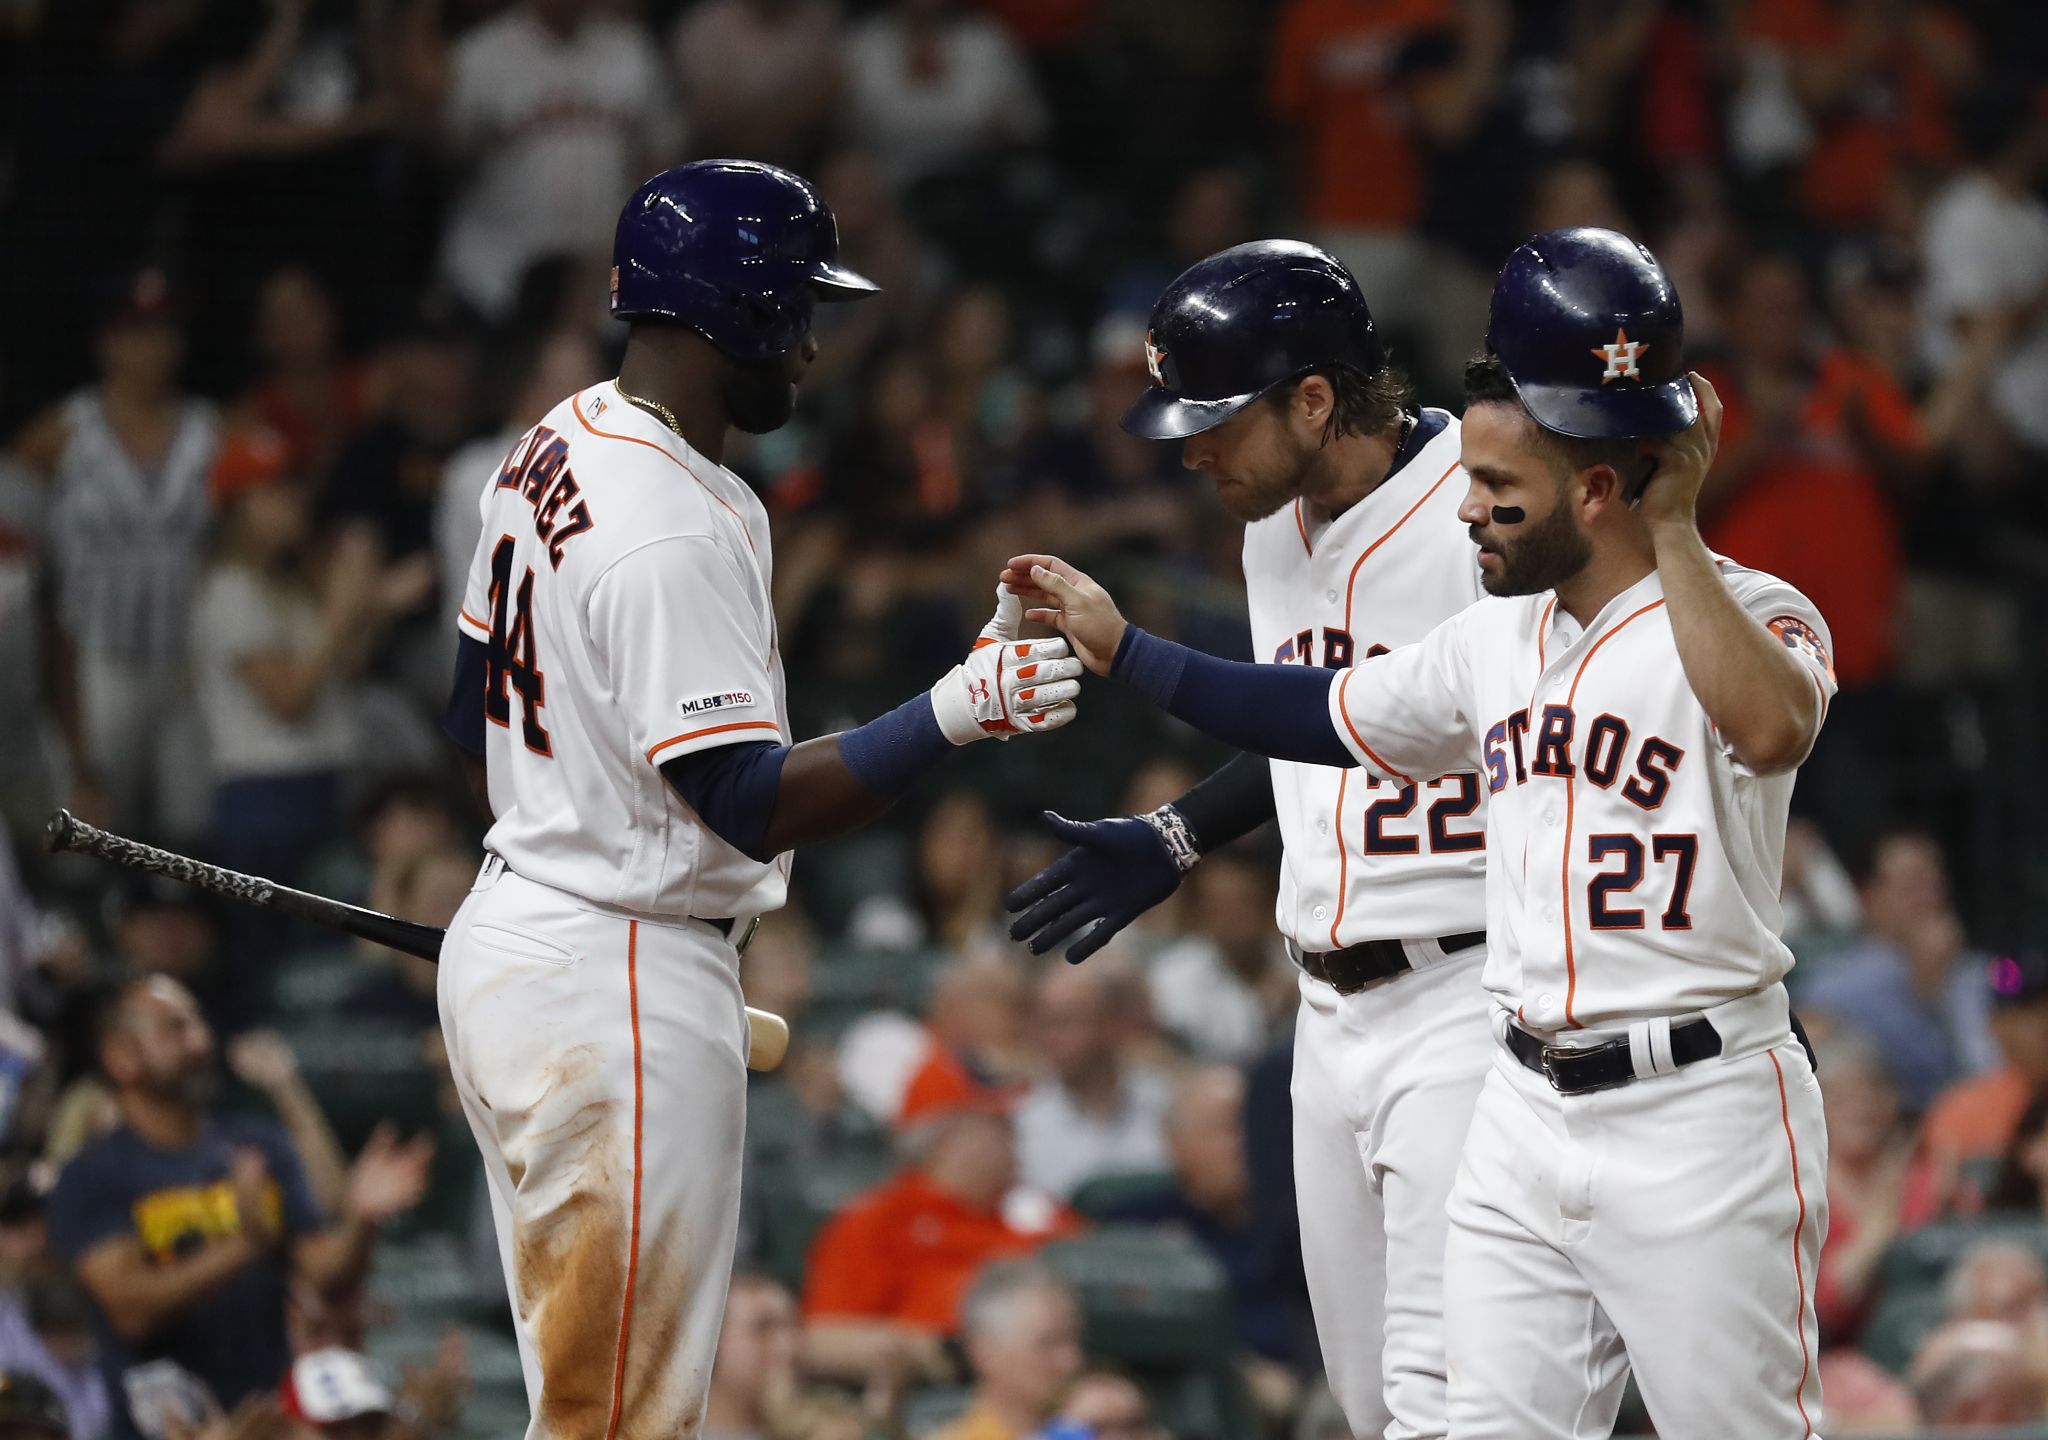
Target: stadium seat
(1902, 1320)
(1151, 1296)
(1106, 1194)
(1920, 1259)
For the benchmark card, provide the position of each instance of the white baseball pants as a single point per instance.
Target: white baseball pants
(601, 1060)
(1671, 1225)
(1384, 1084)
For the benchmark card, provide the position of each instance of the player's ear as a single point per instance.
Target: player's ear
(1314, 402)
(1599, 489)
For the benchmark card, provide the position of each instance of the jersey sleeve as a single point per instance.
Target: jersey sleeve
(1798, 626)
(683, 649)
(1406, 715)
(473, 618)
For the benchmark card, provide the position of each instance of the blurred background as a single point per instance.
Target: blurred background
(280, 281)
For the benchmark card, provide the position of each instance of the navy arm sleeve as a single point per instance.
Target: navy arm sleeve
(463, 722)
(1277, 710)
(732, 788)
(1230, 803)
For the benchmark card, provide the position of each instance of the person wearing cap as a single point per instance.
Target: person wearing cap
(1642, 1186)
(337, 1394)
(127, 460)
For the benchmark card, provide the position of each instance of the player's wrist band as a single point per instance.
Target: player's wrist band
(1176, 835)
(891, 751)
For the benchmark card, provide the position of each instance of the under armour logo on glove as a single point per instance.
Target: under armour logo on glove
(1007, 686)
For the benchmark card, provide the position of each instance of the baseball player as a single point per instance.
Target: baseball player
(1268, 368)
(620, 686)
(1643, 1179)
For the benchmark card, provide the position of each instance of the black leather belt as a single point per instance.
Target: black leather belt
(1603, 1067)
(1351, 969)
(723, 927)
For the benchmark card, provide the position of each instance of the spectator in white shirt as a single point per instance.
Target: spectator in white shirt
(274, 662)
(1093, 1114)
(1985, 249)
(929, 88)
(559, 110)
(1221, 988)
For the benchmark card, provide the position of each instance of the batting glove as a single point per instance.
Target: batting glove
(1007, 686)
(1117, 870)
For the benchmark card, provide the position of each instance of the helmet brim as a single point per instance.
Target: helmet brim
(1639, 412)
(836, 282)
(1159, 414)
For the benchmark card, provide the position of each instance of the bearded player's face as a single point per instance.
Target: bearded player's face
(1519, 506)
(760, 395)
(1256, 460)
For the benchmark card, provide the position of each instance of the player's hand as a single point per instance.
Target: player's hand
(1683, 461)
(1071, 603)
(1117, 870)
(1007, 686)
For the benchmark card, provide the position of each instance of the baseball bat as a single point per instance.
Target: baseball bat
(769, 1032)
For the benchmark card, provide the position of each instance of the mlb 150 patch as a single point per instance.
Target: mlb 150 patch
(724, 700)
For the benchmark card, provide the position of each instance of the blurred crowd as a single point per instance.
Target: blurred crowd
(282, 281)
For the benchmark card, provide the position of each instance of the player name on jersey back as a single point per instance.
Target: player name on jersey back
(1635, 862)
(1366, 859)
(621, 589)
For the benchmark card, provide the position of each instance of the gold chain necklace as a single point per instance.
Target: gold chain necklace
(655, 408)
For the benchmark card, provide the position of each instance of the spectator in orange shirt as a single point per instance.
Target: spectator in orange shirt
(1340, 82)
(887, 1273)
(1816, 444)
(1021, 1326)
(1976, 1121)
(1874, 80)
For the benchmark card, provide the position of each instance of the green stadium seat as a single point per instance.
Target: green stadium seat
(1151, 1296)
(1920, 1259)
(1106, 1194)
(1902, 1320)
(363, 1073)
(930, 1408)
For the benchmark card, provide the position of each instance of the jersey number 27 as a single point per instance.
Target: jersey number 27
(509, 659)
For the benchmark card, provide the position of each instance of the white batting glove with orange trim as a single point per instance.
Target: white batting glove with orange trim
(1007, 686)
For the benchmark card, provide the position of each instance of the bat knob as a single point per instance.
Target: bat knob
(57, 834)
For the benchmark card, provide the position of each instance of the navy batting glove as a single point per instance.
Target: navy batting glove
(1117, 870)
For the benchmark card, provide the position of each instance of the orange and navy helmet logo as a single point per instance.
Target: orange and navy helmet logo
(1154, 358)
(1621, 357)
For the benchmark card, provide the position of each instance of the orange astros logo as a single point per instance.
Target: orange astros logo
(1621, 357)
(1153, 358)
(1797, 635)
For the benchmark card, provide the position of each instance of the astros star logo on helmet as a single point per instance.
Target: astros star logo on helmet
(1621, 357)
(1153, 356)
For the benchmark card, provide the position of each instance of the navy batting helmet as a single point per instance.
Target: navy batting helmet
(1242, 321)
(738, 251)
(1590, 331)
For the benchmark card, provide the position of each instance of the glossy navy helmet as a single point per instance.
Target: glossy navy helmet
(1242, 321)
(740, 252)
(1590, 331)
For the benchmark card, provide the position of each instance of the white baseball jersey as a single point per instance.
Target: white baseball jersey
(1365, 859)
(1637, 862)
(621, 585)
